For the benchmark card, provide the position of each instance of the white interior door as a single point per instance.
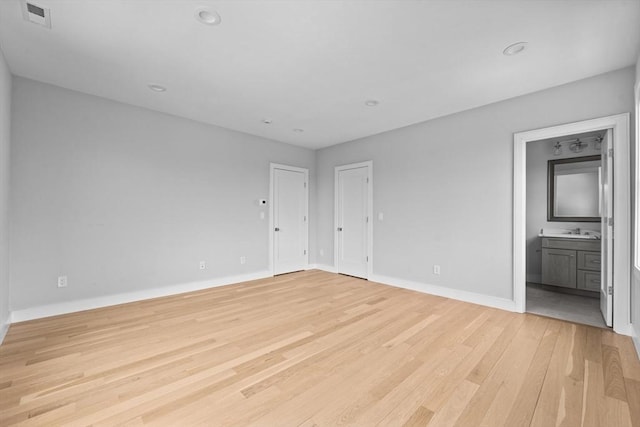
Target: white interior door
(289, 219)
(352, 220)
(606, 211)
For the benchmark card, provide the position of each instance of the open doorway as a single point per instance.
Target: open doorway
(568, 197)
(565, 255)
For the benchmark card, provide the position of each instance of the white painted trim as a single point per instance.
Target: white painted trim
(635, 337)
(622, 243)
(460, 295)
(369, 165)
(637, 181)
(5, 328)
(108, 300)
(272, 168)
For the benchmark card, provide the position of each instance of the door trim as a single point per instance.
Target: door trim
(621, 210)
(369, 165)
(271, 201)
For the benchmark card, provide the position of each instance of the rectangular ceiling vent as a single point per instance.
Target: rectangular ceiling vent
(37, 14)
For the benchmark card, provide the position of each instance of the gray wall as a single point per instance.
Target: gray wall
(538, 154)
(5, 134)
(445, 186)
(121, 199)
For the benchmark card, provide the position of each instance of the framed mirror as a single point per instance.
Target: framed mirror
(573, 189)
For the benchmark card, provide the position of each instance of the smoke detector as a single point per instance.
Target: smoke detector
(36, 14)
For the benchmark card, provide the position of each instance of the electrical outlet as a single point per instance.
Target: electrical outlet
(62, 281)
(243, 260)
(203, 265)
(436, 269)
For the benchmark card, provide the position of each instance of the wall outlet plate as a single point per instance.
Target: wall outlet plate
(62, 281)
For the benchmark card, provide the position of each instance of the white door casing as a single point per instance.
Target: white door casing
(288, 221)
(353, 219)
(606, 212)
(621, 209)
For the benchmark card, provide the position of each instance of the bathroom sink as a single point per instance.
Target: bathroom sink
(570, 234)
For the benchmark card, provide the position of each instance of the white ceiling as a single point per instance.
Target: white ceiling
(311, 64)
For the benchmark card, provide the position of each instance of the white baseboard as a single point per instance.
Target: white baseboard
(4, 328)
(472, 297)
(635, 336)
(108, 300)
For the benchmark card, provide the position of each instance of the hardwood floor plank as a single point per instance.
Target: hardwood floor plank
(451, 411)
(314, 349)
(633, 395)
(487, 363)
(419, 418)
(525, 403)
(560, 392)
(504, 380)
(594, 409)
(614, 385)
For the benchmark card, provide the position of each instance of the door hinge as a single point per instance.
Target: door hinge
(305, 217)
(610, 290)
(305, 185)
(367, 219)
(367, 180)
(611, 152)
(367, 258)
(305, 252)
(610, 221)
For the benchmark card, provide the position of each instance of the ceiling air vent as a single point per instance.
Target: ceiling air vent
(37, 14)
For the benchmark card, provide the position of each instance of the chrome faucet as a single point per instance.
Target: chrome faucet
(576, 231)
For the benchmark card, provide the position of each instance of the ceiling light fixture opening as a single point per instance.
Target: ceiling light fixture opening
(371, 103)
(514, 49)
(267, 121)
(157, 88)
(208, 16)
(298, 130)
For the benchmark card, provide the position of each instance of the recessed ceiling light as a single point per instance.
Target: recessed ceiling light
(157, 88)
(208, 16)
(298, 130)
(267, 121)
(371, 103)
(514, 49)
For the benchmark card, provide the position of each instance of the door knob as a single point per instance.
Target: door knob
(276, 229)
(339, 228)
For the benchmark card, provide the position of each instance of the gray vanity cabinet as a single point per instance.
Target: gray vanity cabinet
(571, 263)
(559, 267)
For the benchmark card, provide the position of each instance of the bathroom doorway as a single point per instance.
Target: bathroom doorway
(568, 189)
(564, 239)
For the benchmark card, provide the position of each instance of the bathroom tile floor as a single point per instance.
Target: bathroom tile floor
(574, 308)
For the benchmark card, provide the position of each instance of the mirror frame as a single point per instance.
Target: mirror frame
(551, 196)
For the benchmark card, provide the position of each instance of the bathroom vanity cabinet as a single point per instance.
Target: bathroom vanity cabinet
(571, 263)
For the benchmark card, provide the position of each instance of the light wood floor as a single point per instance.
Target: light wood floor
(315, 349)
